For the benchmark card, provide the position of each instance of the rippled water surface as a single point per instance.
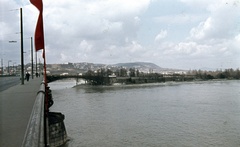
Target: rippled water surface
(168, 114)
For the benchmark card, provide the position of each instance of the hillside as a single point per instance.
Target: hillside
(143, 65)
(84, 67)
(146, 66)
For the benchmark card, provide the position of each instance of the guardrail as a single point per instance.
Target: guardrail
(34, 135)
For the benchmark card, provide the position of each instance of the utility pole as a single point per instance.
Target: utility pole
(22, 60)
(32, 55)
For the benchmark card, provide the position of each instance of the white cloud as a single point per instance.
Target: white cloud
(179, 19)
(85, 47)
(63, 57)
(221, 23)
(200, 31)
(202, 3)
(237, 38)
(134, 47)
(187, 49)
(98, 25)
(111, 31)
(217, 36)
(161, 35)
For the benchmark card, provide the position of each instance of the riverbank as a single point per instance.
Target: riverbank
(65, 84)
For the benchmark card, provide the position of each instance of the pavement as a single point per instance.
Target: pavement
(16, 104)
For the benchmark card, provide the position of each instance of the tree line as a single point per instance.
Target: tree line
(197, 74)
(218, 74)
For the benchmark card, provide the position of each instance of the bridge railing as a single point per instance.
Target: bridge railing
(34, 135)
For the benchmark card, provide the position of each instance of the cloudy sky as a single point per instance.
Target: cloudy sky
(183, 34)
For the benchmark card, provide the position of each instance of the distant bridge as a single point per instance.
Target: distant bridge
(92, 79)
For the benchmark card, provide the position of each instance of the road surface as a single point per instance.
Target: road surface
(7, 82)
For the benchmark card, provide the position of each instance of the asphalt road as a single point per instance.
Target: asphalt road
(7, 82)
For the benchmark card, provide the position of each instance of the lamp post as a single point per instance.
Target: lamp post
(22, 56)
(22, 60)
(8, 66)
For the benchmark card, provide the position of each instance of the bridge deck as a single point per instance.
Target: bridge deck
(16, 105)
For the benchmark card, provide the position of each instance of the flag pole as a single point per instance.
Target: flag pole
(39, 44)
(45, 80)
(45, 68)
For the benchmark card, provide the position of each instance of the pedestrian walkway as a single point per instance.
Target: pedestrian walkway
(16, 105)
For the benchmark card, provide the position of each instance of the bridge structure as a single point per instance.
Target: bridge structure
(91, 79)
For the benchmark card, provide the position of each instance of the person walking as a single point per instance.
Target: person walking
(27, 76)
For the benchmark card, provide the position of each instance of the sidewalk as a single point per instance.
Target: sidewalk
(16, 105)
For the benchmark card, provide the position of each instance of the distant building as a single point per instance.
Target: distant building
(64, 74)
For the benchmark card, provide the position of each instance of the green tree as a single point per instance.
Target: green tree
(132, 72)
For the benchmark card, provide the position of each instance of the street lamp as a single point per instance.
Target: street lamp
(21, 43)
(8, 66)
(12, 41)
(22, 60)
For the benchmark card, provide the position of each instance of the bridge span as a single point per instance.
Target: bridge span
(91, 79)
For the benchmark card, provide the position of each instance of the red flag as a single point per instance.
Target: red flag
(39, 33)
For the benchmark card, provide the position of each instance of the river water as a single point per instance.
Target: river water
(191, 114)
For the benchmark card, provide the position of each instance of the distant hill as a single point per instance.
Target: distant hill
(85, 66)
(138, 65)
(146, 66)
